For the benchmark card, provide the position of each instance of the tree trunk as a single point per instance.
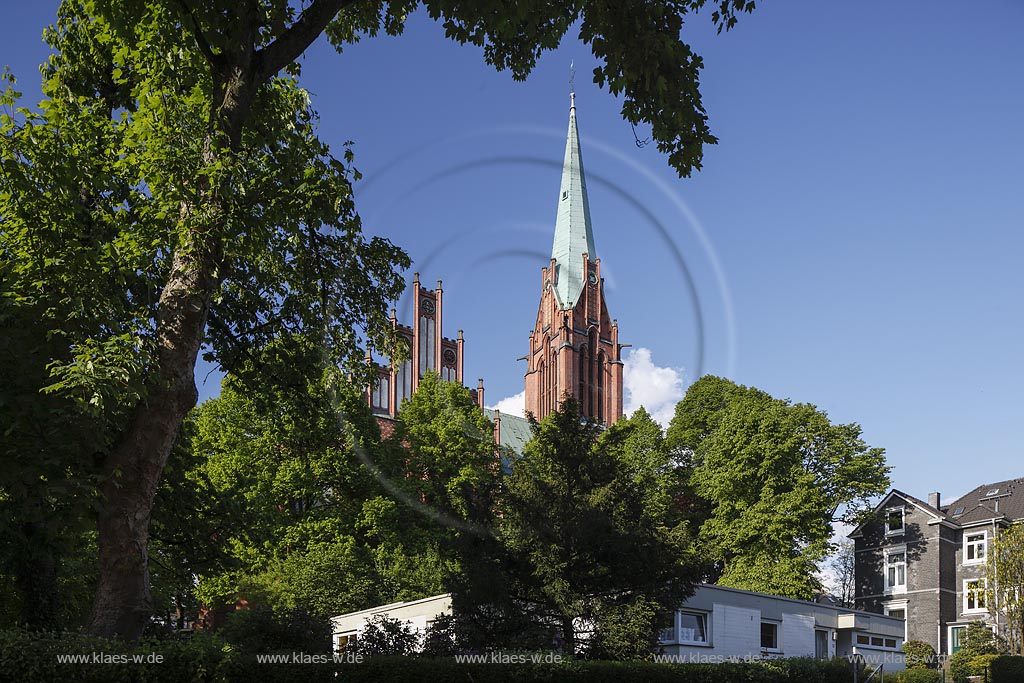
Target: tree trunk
(123, 603)
(569, 635)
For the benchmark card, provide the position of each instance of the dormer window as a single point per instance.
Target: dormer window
(992, 492)
(894, 521)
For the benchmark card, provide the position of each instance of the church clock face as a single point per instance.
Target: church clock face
(592, 277)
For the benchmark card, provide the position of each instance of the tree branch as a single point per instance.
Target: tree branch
(293, 42)
(201, 41)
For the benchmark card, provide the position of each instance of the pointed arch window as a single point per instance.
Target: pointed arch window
(543, 388)
(581, 395)
(553, 383)
(600, 386)
(591, 372)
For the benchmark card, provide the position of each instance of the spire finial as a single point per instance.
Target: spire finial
(572, 85)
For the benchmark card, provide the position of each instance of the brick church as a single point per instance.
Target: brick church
(574, 347)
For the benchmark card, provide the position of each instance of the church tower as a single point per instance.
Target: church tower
(574, 346)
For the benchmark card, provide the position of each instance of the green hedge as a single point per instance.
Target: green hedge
(917, 675)
(34, 658)
(400, 670)
(1006, 670)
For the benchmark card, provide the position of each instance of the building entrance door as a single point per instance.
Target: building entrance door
(821, 644)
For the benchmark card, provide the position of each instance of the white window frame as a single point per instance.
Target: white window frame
(983, 609)
(900, 588)
(983, 543)
(903, 520)
(707, 628)
(899, 605)
(778, 635)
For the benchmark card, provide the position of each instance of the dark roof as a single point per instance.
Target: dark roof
(920, 503)
(1001, 499)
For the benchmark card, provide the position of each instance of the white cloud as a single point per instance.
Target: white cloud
(657, 389)
(512, 405)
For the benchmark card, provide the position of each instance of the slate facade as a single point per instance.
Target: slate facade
(925, 560)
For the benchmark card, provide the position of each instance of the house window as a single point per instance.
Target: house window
(899, 611)
(346, 641)
(894, 521)
(974, 547)
(693, 628)
(974, 595)
(896, 570)
(667, 627)
(863, 640)
(769, 635)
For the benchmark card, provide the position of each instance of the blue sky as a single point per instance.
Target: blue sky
(854, 241)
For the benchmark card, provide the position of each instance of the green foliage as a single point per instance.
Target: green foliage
(383, 636)
(169, 194)
(979, 647)
(1004, 572)
(919, 655)
(918, 675)
(443, 637)
(775, 475)
(625, 632)
(978, 639)
(586, 529)
(835, 670)
(32, 657)
(1007, 669)
(311, 526)
(402, 670)
(118, 200)
(263, 630)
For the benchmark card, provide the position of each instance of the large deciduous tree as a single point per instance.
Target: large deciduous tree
(776, 476)
(170, 193)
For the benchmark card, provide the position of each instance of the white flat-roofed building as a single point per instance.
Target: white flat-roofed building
(718, 624)
(721, 624)
(417, 613)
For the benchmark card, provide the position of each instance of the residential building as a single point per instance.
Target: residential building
(925, 560)
(716, 624)
(416, 613)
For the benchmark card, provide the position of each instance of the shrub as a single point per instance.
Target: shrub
(918, 675)
(385, 636)
(1007, 670)
(32, 657)
(812, 670)
(264, 630)
(626, 631)
(920, 655)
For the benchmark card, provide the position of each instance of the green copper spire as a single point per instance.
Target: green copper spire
(573, 234)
